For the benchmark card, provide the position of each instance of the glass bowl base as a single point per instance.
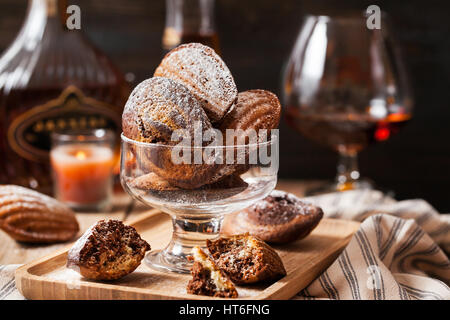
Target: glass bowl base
(159, 260)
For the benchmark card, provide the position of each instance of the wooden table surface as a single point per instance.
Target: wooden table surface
(12, 252)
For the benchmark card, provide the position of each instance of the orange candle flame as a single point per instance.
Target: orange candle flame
(80, 155)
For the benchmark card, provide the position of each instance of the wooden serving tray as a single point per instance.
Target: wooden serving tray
(304, 260)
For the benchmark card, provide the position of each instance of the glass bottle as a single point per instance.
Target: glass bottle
(51, 79)
(190, 21)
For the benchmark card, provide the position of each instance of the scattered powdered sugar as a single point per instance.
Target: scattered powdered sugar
(200, 69)
(64, 274)
(283, 194)
(143, 277)
(74, 252)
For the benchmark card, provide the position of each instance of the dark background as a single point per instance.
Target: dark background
(256, 38)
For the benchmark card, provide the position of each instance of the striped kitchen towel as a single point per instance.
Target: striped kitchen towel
(8, 289)
(397, 253)
(358, 205)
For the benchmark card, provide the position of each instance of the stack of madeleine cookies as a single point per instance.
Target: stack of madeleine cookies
(192, 89)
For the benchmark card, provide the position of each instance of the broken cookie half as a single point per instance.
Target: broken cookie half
(207, 278)
(108, 250)
(246, 259)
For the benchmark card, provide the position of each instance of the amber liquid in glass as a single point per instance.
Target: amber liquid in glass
(353, 132)
(190, 21)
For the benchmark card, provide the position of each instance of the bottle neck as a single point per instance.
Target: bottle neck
(189, 20)
(43, 10)
(190, 16)
(51, 7)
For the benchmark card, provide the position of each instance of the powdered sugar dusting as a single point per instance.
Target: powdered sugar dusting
(203, 72)
(161, 105)
(293, 199)
(283, 194)
(74, 252)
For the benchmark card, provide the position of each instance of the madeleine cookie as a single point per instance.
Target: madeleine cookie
(108, 250)
(246, 259)
(204, 73)
(281, 217)
(207, 279)
(159, 106)
(255, 109)
(151, 184)
(29, 216)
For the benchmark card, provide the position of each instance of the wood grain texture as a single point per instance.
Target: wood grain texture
(304, 260)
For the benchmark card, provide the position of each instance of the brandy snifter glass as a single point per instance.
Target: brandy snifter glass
(345, 87)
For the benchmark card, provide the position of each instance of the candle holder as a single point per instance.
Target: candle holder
(82, 169)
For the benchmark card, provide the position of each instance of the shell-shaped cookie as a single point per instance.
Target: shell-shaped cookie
(255, 109)
(159, 106)
(281, 217)
(204, 73)
(29, 216)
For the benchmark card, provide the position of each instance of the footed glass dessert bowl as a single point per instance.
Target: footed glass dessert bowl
(197, 186)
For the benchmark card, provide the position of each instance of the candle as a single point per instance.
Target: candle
(83, 174)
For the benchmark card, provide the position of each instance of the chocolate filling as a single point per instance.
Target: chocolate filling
(114, 239)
